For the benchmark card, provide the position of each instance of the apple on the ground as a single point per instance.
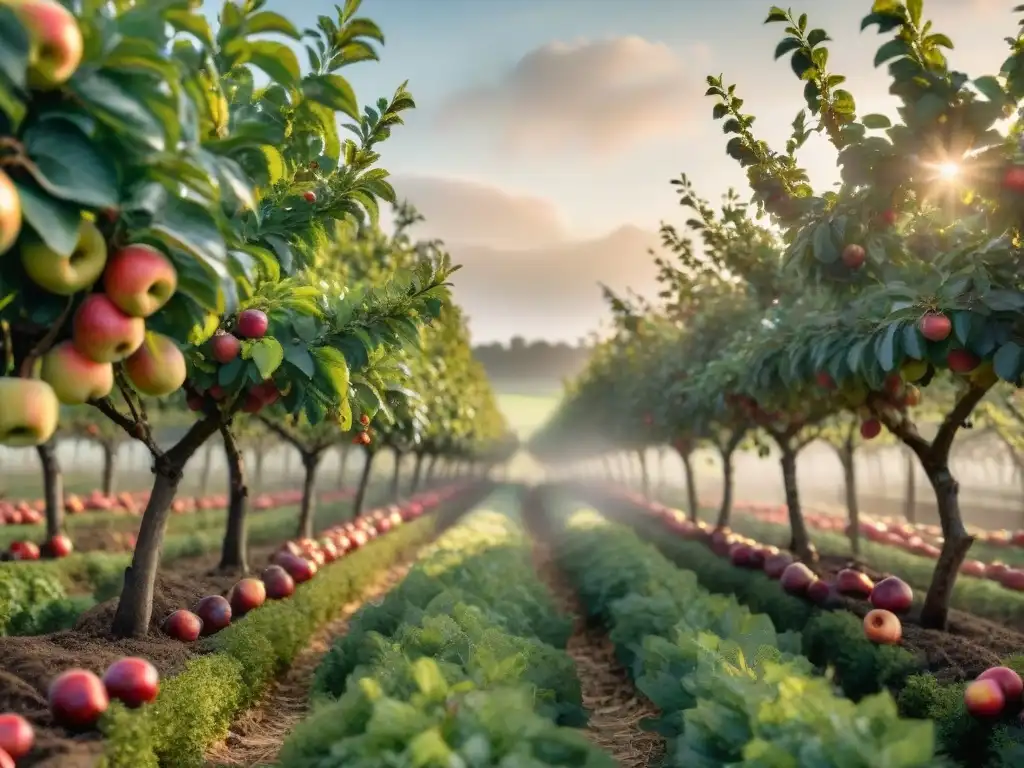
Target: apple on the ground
(16, 735)
(132, 681)
(77, 698)
(183, 625)
(883, 627)
(892, 594)
(215, 613)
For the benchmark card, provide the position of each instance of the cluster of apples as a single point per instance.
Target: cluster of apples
(992, 692)
(55, 547)
(225, 347)
(913, 539)
(295, 562)
(888, 597)
(78, 698)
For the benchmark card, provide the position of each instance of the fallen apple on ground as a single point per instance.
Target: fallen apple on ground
(215, 613)
(984, 698)
(16, 735)
(247, 595)
(183, 625)
(1008, 681)
(854, 583)
(132, 681)
(796, 578)
(278, 582)
(77, 699)
(883, 627)
(892, 594)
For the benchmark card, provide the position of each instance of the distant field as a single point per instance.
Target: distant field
(526, 413)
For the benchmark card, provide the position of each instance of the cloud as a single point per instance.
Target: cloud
(599, 96)
(484, 215)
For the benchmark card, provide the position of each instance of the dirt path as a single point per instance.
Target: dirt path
(616, 708)
(255, 738)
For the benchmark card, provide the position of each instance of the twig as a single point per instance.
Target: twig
(46, 342)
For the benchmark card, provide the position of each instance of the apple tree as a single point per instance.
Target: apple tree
(917, 275)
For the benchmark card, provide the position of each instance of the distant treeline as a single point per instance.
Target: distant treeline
(535, 362)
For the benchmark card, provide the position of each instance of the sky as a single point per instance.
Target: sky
(547, 131)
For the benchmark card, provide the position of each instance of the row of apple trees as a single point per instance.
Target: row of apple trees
(892, 303)
(168, 189)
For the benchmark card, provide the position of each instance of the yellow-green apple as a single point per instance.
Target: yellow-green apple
(29, 410)
(65, 275)
(74, 377)
(56, 42)
(104, 333)
(139, 280)
(157, 368)
(10, 213)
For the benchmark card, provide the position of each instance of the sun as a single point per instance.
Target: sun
(948, 171)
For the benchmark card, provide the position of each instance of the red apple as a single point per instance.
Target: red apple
(853, 256)
(882, 627)
(796, 578)
(225, 347)
(1008, 680)
(819, 592)
(892, 594)
(252, 324)
(1013, 579)
(870, 429)
(247, 595)
(984, 698)
(279, 584)
(58, 546)
(74, 377)
(16, 735)
(10, 213)
(962, 361)
(77, 699)
(104, 333)
(139, 280)
(183, 625)
(299, 568)
(776, 564)
(309, 196)
(854, 583)
(215, 613)
(132, 681)
(56, 42)
(935, 326)
(25, 550)
(973, 568)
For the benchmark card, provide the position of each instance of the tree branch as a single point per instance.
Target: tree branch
(284, 433)
(954, 420)
(46, 342)
(131, 428)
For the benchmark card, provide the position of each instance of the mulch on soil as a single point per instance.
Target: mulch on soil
(616, 708)
(969, 645)
(29, 664)
(257, 736)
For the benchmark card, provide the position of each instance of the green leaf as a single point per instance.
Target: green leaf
(70, 166)
(119, 108)
(824, 246)
(56, 222)
(268, 355)
(334, 92)
(962, 322)
(297, 354)
(268, 21)
(913, 342)
(785, 46)
(15, 48)
(915, 9)
(1002, 300)
(876, 122)
(228, 375)
(277, 60)
(1009, 362)
(331, 364)
(991, 89)
(891, 50)
(889, 351)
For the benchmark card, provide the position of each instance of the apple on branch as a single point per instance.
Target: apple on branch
(10, 213)
(104, 333)
(29, 411)
(66, 275)
(139, 280)
(158, 367)
(75, 378)
(56, 42)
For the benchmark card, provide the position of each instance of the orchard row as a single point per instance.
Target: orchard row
(890, 308)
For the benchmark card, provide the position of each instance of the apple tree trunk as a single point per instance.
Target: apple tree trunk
(343, 453)
(53, 488)
(686, 456)
(396, 475)
(799, 542)
(726, 450)
(417, 472)
(910, 489)
(135, 607)
(432, 468)
(364, 482)
(109, 467)
(846, 458)
(645, 480)
(955, 546)
(310, 463)
(234, 555)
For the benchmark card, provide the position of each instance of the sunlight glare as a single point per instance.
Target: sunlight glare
(949, 171)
